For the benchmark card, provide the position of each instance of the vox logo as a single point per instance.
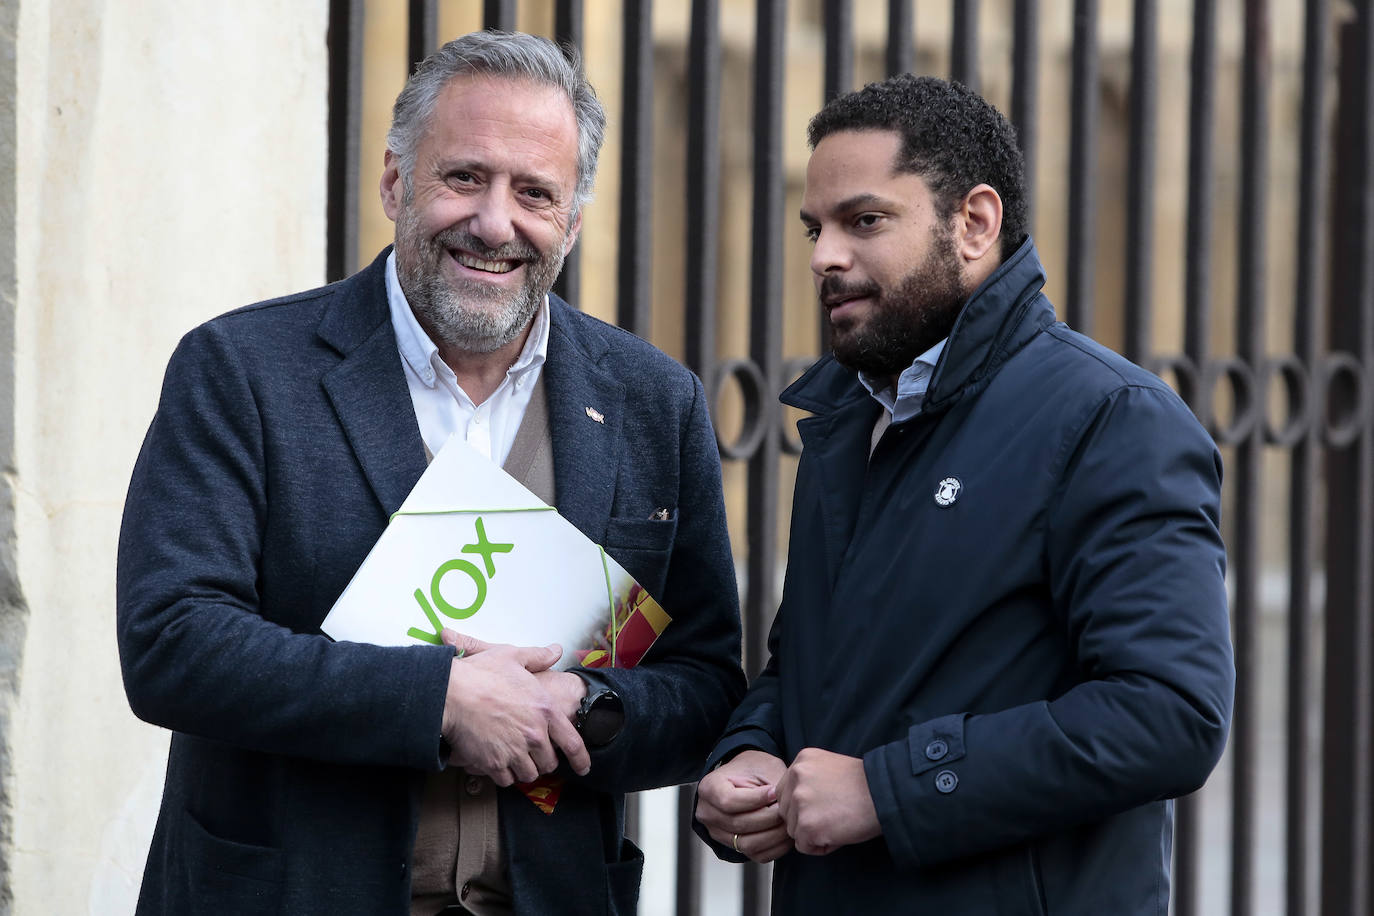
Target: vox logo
(484, 548)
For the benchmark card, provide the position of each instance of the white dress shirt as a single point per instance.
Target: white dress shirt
(442, 407)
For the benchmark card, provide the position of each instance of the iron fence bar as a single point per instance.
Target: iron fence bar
(1140, 178)
(568, 23)
(1245, 548)
(1347, 796)
(839, 79)
(1025, 63)
(635, 249)
(702, 236)
(422, 30)
(498, 14)
(687, 901)
(963, 50)
(345, 42)
(765, 348)
(1364, 863)
(1307, 314)
(899, 56)
(703, 189)
(567, 30)
(1082, 167)
(1197, 331)
(839, 47)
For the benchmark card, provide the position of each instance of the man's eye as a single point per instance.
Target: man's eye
(812, 233)
(867, 221)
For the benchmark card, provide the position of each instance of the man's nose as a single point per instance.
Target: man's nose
(494, 222)
(828, 254)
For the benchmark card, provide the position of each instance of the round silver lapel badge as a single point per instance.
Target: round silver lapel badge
(947, 491)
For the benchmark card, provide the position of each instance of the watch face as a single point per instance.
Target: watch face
(601, 717)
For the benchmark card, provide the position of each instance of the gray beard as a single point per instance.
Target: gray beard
(469, 316)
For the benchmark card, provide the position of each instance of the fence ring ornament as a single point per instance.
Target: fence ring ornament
(752, 386)
(1297, 387)
(1342, 431)
(1245, 414)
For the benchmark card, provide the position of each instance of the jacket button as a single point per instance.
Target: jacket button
(404, 868)
(946, 781)
(936, 749)
(473, 785)
(467, 889)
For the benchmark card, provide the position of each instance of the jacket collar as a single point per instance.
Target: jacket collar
(370, 396)
(368, 387)
(586, 410)
(1001, 316)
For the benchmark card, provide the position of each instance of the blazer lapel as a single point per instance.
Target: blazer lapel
(585, 419)
(368, 388)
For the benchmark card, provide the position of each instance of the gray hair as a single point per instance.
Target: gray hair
(511, 55)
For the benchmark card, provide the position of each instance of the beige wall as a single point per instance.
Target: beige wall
(167, 164)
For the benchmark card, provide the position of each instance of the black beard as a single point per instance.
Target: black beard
(905, 321)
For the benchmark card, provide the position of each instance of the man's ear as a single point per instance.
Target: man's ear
(392, 187)
(979, 223)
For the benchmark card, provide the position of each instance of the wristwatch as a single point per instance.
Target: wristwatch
(600, 716)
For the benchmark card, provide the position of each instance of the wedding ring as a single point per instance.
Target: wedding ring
(735, 843)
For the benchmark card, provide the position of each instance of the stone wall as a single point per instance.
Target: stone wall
(162, 162)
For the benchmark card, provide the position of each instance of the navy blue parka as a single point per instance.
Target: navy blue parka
(1015, 613)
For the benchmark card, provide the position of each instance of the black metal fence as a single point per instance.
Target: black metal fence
(1292, 388)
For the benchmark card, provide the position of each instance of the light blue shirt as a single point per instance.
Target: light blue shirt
(912, 384)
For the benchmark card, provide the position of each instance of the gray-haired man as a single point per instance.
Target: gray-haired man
(308, 776)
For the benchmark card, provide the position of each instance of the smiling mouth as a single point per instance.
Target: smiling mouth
(473, 262)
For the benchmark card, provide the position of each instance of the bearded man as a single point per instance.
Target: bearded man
(1002, 646)
(309, 776)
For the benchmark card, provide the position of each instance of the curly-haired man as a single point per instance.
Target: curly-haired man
(1003, 643)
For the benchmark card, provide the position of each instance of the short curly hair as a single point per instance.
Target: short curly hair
(951, 137)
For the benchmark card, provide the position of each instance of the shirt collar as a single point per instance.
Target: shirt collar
(422, 355)
(912, 384)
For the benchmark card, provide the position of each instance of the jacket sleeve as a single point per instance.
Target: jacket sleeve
(677, 699)
(1135, 569)
(197, 655)
(755, 725)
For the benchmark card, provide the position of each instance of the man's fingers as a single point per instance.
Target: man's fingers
(775, 851)
(466, 645)
(569, 741)
(756, 821)
(759, 846)
(766, 845)
(536, 659)
(731, 799)
(545, 758)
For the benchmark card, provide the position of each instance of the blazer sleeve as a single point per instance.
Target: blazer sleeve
(1136, 570)
(677, 699)
(197, 655)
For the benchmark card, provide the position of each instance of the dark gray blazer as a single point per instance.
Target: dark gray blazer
(283, 440)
